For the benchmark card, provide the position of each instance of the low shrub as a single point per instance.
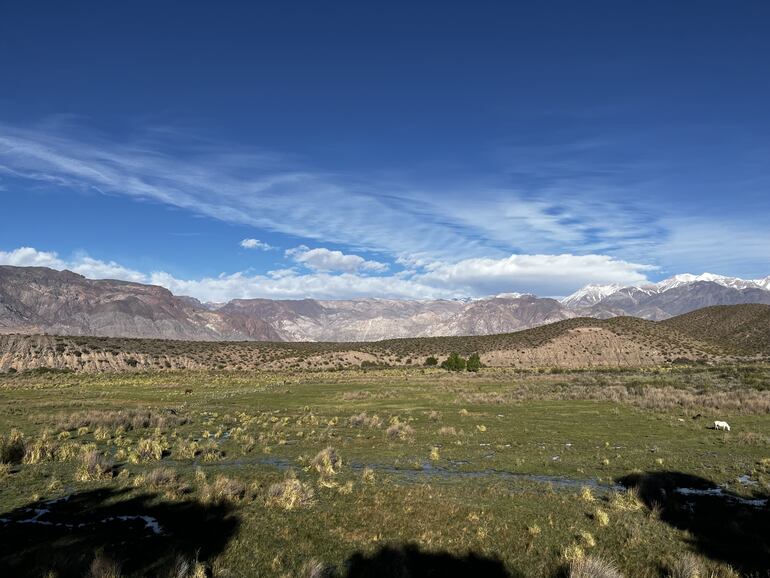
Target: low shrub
(12, 447)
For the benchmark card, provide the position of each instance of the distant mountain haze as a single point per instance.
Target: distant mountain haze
(41, 300)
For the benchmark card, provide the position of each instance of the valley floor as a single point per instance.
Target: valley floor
(386, 473)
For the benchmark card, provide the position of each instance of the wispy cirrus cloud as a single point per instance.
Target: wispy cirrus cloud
(400, 219)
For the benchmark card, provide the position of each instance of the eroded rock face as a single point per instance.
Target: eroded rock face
(40, 300)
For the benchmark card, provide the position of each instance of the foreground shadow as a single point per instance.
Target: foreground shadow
(145, 535)
(409, 561)
(724, 526)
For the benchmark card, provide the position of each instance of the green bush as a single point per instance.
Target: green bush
(454, 362)
(431, 361)
(474, 362)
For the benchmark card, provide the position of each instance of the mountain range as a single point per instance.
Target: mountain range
(35, 300)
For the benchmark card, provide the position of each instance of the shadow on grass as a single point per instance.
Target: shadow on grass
(410, 561)
(723, 525)
(144, 534)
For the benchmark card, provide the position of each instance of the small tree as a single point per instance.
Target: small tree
(474, 362)
(431, 361)
(453, 363)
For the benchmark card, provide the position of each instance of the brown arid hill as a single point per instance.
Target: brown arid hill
(703, 336)
(738, 329)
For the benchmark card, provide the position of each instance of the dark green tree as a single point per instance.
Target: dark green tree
(474, 362)
(453, 363)
(431, 361)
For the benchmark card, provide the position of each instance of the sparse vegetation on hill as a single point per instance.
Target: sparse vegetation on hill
(709, 334)
(739, 329)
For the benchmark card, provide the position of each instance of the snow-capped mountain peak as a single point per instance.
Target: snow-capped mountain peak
(594, 294)
(513, 295)
(590, 295)
(687, 278)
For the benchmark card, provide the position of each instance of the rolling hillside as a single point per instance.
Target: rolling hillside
(708, 334)
(740, 329)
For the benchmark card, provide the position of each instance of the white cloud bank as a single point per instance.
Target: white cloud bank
(540, 274)
(326, 260)
(81, 264)
(256, 244)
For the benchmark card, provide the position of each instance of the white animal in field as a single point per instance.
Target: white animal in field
(722, 425)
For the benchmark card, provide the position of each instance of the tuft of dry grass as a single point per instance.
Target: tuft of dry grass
(587, 538)
(315, 569)
(124, 419)
(627, 501)
(146, 450)
(12, 447)
(290, 494)
(166, 480)
(572, 553)
(592, 567)
(93, 466)
(103, 567)
(223, 490)
(447, 431)
(41, 449)
(68, 451)
(586, 494)
(364, 420)
(601, 517)
(327, 463)
(185, 567)
(687, 566)
(186, 449)
(355, 395)
(210, 452)
(367, 475)
(399, 431)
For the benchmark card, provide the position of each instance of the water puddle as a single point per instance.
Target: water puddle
(45, 515)
(427, 471)
(718, 492)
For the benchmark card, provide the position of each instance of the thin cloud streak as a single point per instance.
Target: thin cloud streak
(406, 222)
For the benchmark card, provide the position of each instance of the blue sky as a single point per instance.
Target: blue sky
(411, 150)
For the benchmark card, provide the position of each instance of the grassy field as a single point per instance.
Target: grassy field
(386, 473)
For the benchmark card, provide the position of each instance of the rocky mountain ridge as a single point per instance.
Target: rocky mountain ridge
(36, 300)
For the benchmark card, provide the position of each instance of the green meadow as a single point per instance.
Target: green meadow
(393, 472)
